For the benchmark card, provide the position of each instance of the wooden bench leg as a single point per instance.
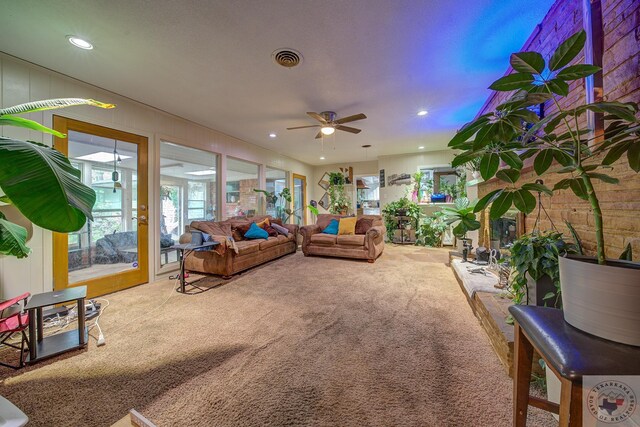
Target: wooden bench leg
(570, 403)
(522, 377)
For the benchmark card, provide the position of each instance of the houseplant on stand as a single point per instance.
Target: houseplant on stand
(600, 296)
(39, 181)
(339, 201)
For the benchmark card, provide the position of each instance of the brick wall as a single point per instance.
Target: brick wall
(621, 80)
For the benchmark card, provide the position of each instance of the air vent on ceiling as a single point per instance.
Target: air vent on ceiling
(286, 57)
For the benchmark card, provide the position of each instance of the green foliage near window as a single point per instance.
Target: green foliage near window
(339, 201)
(537, 255)
(39, 180)
(514, 133)
(430, 230)
(462, 214)
(282, 203)
(403, 206)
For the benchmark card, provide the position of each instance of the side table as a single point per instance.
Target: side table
(183, 251)
(41, 347)
(570, 353)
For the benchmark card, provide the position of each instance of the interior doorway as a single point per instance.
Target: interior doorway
(110, 252)
(299, 199)
(368, 195)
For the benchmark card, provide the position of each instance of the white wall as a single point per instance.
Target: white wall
(23, 82)
(408, 163)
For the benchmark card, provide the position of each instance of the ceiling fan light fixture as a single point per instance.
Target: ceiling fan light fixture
(327, 130)
(272, 135)
(423, 112)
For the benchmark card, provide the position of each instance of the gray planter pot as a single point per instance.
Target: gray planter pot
(537, 289)
(603, 300)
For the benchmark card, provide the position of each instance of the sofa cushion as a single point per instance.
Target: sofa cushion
(363, 225)
(283, 239)
(323, 239)
(351, 240)
(247, 247)
(269, 243)
(347, 226)
(255, 232)
(332, 228)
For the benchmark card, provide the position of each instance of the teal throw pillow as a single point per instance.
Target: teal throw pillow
(332, 228)
(255, 232)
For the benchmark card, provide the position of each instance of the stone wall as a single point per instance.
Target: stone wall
(621, 82)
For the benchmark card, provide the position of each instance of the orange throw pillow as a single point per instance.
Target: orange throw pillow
(264, 224)
(347, 226)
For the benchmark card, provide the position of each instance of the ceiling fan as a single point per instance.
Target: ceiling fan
(328, 123)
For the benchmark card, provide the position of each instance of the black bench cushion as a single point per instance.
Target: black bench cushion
(572, 352)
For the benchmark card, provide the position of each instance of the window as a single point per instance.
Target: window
(188, 192)
(441, 184)
(242, 179)
(276, 182)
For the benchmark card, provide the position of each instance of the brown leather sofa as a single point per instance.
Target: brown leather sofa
(235, 254)
(367, 243)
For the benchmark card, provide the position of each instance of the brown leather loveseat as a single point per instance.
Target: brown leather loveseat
(367, 243)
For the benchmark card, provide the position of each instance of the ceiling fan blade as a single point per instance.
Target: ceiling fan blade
(303, 127)
(350, 118)
(348, 129)
(316, 116)
(319, 135)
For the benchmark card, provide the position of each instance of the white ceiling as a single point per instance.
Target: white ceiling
(210, 62)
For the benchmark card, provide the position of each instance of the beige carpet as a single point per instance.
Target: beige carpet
(300, 341)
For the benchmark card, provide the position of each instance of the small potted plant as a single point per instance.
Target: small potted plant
(600, 296)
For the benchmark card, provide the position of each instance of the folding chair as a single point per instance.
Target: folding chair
(14, 320)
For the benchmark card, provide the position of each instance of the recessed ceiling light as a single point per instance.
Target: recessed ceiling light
(421, 147)
(81, 43)
(272, 135)
(200, 173)
(322, 158)
(101, 157)
(423, 112)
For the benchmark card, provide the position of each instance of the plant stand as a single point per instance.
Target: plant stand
(402, 221)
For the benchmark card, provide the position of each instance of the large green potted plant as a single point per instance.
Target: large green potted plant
(600, 296)
(400, 207)
(339, 201)
(282, 202)
(39, 181)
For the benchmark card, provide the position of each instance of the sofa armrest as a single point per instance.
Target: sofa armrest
(293, 228)
(376, 232)
(307, 231)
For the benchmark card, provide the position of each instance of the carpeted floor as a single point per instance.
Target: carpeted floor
(299, 341)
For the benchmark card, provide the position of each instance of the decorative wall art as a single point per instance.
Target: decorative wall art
(400, 179)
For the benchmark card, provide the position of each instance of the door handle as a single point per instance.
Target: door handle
(142, 220)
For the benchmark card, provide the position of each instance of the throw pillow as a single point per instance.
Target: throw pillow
(272, 231)
(280, 229)
(347, 226)
(363, 225)
(240, 230)
(256, 232)
(264, 223)
(332, 228)
(277, 221)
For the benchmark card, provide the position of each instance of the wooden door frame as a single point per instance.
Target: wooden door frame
(118, 281)
(304, 195)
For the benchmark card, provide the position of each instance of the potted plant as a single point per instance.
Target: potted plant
(534, 260)
(282, 202)
(39, 181)
(430, 230)
(401, 207)
(417, 186)
(339, 201)
(600, 296)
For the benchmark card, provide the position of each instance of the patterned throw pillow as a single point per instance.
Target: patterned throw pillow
(363, 225)
(272, 231)
(240, 230)
(277, 221)
(347, 226)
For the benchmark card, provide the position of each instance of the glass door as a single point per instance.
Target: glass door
(299, 199)
(110, 252)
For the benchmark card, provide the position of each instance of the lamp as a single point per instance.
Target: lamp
(327, 130)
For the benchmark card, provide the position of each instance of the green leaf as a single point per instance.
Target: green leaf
(563, 158)
(469, 130)
(526, 115)
(29, 124)
(576, 238)
(43, 185)
(524, 201)
(13, 239)
(487, 199)
(537, 187)
(633, 154)
(508, 175)
(616, 109)
(489, 165)
(604, 178)
(52, 104)
(512, 159)
(559, 87)
(563, 184)
(501, 205)
(5, 199)
(543, 161)
(578, 188)
(567, 169)
(627, 254)
(578, 71)
(567, 50)
(465, 157)
(527, 62)
(512, 82)
(616, 152)
(485, 135)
